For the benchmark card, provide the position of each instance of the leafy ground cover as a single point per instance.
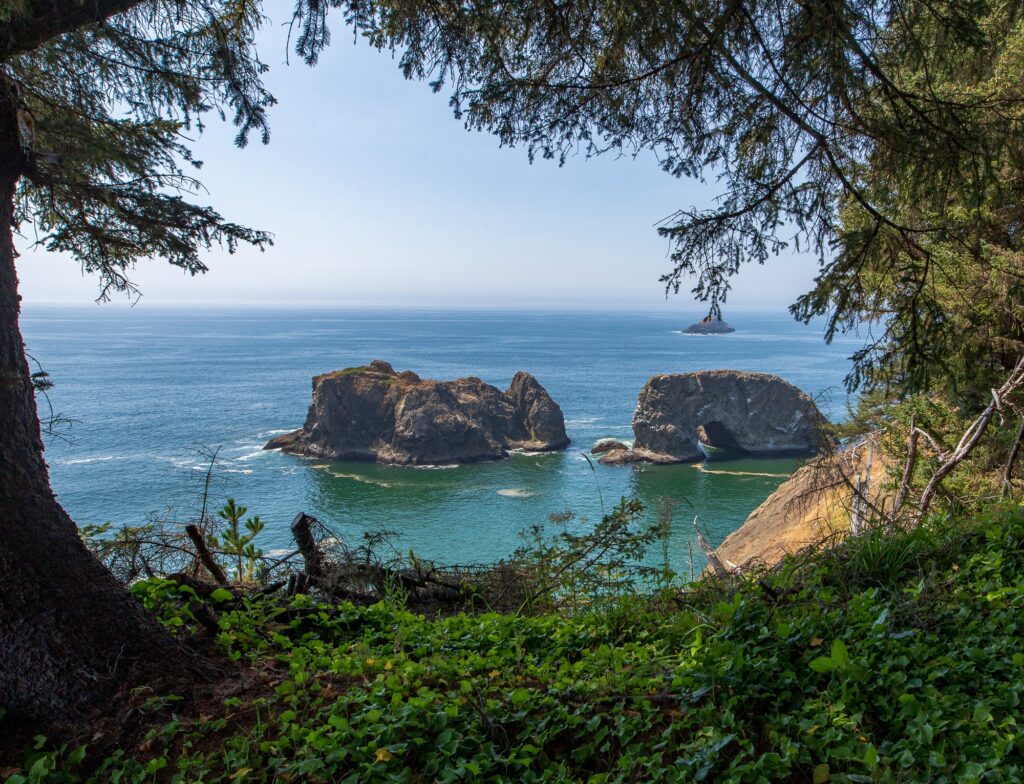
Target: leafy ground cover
(892, 657)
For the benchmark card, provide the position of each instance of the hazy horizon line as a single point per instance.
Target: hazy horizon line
(592, 306)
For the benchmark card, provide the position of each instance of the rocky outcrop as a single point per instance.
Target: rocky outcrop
(751, 413)
(607, 445)
(815, 504)
(373, 413)
(712, 325)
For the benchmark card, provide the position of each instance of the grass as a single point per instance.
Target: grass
(890, 658)
(351, 371)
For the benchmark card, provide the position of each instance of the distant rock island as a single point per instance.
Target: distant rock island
(374, 413)
(712, 324)
(754, 413)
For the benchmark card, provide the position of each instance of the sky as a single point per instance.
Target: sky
(377, 196)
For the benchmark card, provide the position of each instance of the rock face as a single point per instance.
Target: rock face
(712, 325)
(812, 505)
(373, 413)
(755, 413)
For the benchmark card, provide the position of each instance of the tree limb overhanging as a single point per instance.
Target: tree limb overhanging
(29, 25)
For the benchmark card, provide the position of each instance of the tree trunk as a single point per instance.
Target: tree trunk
(70, 634)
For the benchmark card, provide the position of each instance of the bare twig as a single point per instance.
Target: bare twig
(908, 470)
(713, 560)
(1011, 460)
(973, 434)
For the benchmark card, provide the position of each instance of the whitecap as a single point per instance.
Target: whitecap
(253, 454)
(516, 492)
(704, 470)
(357, 478)
(97, 459)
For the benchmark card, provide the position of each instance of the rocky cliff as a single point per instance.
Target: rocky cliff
(373, 413)
(815, 504)
(752, 413)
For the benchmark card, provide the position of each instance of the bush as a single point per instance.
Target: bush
(890, 658)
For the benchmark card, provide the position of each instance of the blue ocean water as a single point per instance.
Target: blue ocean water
(148, 386)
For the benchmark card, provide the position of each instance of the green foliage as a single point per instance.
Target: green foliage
(824, 671)
(883, 138)
(976, 482)
(237, 540)
(576, 568)
(104, 112)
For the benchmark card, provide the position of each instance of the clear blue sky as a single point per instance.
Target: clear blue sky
(377, 196)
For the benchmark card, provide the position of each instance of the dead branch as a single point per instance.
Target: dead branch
(713, 560)
(937, 446)
(303, 534)
(1011, 460)
(205, 556)
(973, 434)
(908, 470)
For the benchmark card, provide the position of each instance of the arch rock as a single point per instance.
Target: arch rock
(748, 413)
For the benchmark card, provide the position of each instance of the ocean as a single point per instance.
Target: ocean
(148, 389)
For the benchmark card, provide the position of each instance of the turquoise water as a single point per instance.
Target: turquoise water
(150, 385)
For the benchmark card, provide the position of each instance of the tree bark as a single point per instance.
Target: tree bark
(37, 22)
(70, 634)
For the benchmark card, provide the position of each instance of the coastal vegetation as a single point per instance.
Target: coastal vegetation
(892, 657)
(886, 138)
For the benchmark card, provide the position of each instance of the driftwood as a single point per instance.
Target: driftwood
(205, 556)
(302, 531)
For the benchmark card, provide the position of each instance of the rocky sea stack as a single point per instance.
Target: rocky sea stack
(752, 413)
(374, 413)
(712, 325)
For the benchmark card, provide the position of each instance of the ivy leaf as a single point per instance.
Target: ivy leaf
(222, 595)
(871, 757)
(839, 654)
(823, 664)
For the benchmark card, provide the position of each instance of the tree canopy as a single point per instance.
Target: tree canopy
(104, 113)
(884, 138)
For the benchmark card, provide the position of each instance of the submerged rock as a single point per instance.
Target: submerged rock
(626, 456)
(607, 445)
(373, 413)
(712, 325)
(752, 413)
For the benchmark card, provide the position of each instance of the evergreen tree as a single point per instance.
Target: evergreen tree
(96, 99)
(883, 137)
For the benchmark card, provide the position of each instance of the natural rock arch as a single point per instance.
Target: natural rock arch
(754, 413)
